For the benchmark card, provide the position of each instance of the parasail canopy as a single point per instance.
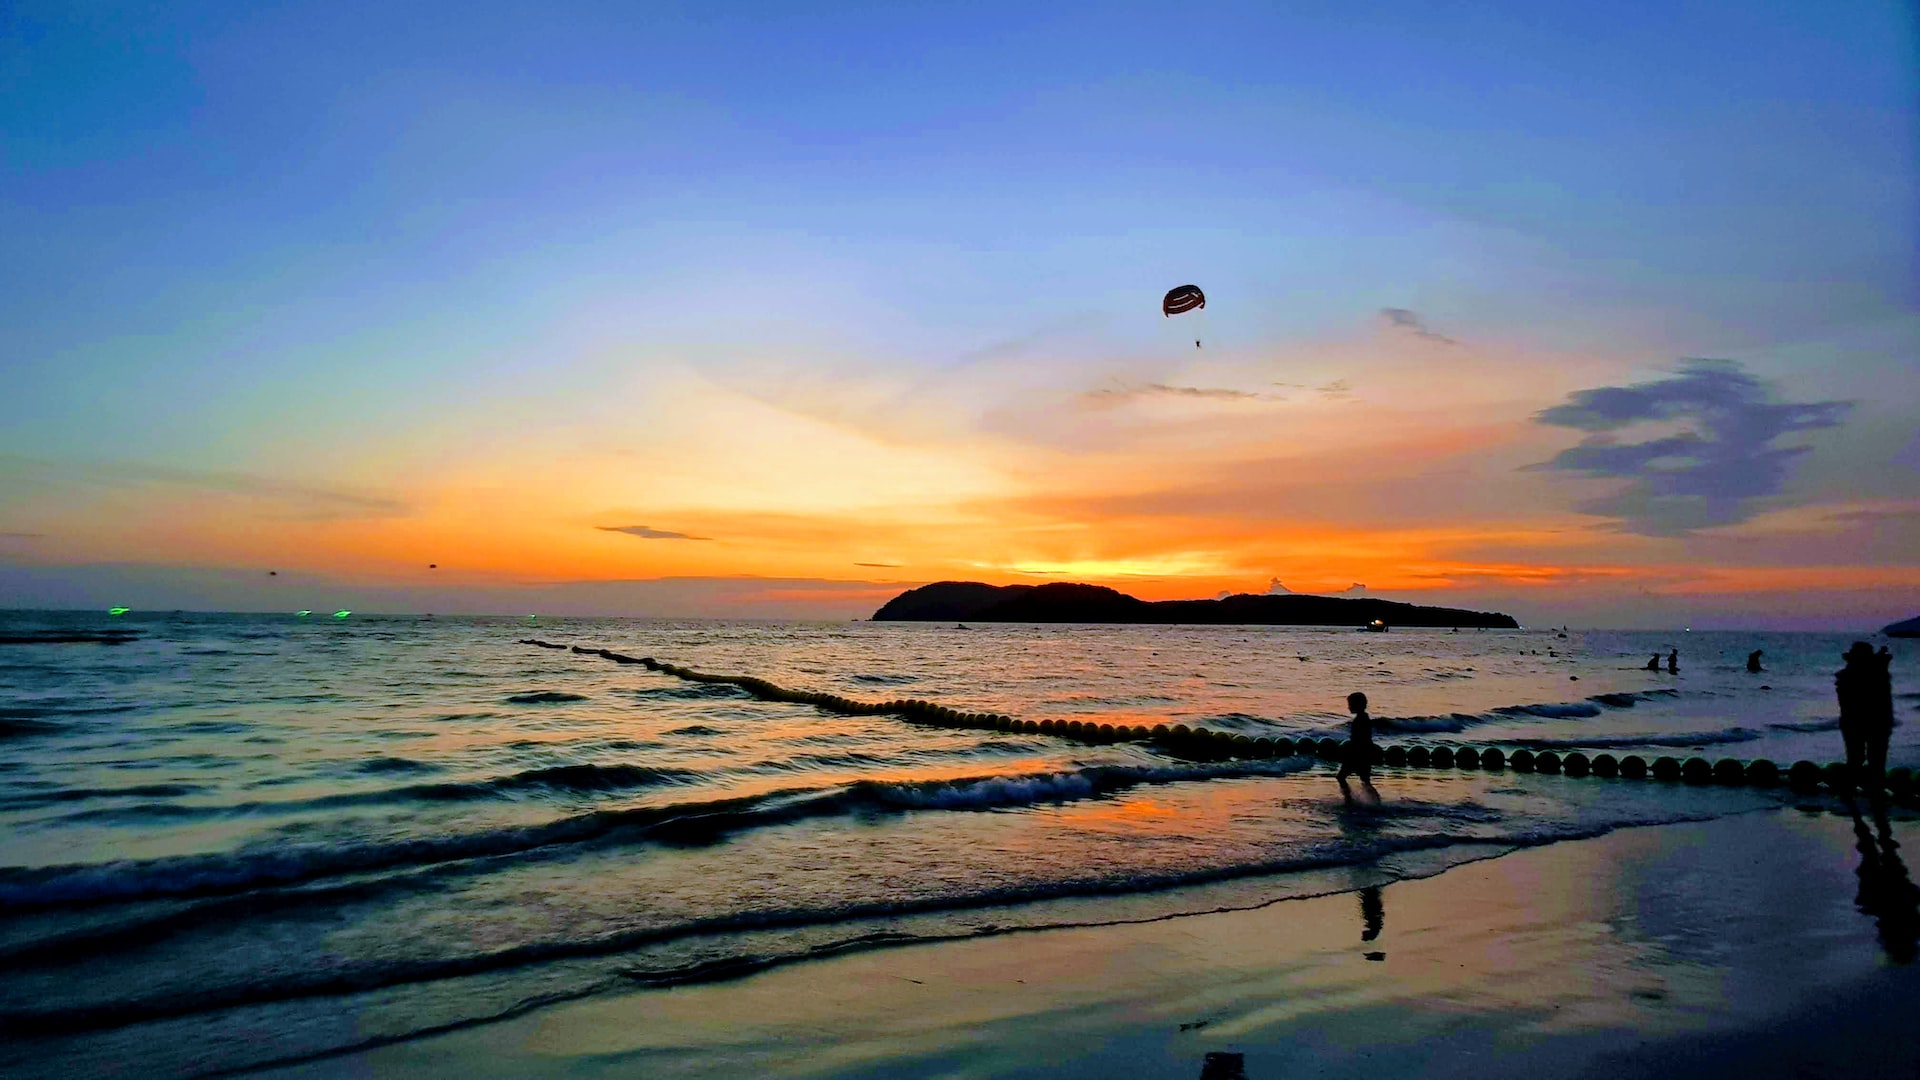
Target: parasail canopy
(1184, 298)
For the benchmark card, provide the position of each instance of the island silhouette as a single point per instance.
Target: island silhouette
(1068, 602)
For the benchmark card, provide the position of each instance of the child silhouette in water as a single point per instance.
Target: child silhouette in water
(1358, 755)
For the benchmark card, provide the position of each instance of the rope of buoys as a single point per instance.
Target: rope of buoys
(1205, 744)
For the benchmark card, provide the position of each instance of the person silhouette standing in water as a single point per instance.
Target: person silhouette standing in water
(1673, 662)
(1865, 690)
(1358, 754)
(1654, 664)
(1753, 661)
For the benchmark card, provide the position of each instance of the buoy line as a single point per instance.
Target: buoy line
(1204, 744)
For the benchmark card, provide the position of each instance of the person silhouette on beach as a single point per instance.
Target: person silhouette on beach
(1865, 689)
(1673, 662)
(1753, 661)
(1654, 664)
(1886, 891)
(1358, 755)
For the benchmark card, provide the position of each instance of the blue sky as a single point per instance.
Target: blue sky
(299, 237)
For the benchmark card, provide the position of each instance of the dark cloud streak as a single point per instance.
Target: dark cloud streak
(1411, 322)
(647, 532)
(1711, 472)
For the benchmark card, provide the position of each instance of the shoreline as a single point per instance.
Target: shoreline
(1731, 940)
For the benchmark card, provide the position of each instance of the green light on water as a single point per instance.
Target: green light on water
(529, 616)
(304, 612)
(342, 613)
(118, 610)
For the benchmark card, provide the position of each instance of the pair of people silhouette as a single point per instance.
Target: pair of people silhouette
(1673, 662)
(1865, 689)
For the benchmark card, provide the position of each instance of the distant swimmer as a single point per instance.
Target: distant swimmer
(1358, 754)
(1654, 664)
(1673, 662)
(1753, 661)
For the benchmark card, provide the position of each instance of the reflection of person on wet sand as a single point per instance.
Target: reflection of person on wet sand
(1373, 915)
(1886, 892)
(1865, 690)
(1357, 757)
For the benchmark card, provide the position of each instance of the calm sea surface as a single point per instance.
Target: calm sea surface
(240, 839)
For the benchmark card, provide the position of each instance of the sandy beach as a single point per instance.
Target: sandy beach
(1736, 945)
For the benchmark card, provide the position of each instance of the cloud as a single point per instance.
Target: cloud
(1274, 588)
(885, 565)
(1411, 322)
(21, 535)
(647, 532)
(1337, 390)
(294, 500)
(1113, 395)
(1708, 473)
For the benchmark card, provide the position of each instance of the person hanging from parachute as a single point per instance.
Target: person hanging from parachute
(1181, 300)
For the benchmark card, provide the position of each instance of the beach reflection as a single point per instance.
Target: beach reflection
(1886, 891)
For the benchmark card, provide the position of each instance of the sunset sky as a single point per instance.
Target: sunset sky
(1597, 314)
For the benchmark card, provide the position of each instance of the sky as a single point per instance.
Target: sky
(1602, 315)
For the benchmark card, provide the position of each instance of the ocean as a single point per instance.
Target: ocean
(240, 840)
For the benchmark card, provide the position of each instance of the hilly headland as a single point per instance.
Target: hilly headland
(1067, 602)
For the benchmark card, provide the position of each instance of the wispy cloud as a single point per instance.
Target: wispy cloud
(21, 535)
(1113, 395)
(885, 565)
(301, 501)
(1410, 322)
(648, 532)
(1711, 472)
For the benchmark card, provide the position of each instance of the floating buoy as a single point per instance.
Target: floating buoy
(1605, 766)
(1633, 766)
(1697, 770)
(1466, 758)
(1900, 781)
(1395, 755)
(1283, 747)
(1419, 756)
(1665, 768)
(1763, 773)
(1442, 757)
(1729, 772)
(1522, 760)
(1837, 776)
(1575, 764)
(1804, 776)
(1546, 761)
(1493, 758)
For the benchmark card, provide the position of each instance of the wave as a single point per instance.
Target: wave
(545, 697)
(11, 726)
(584, 779)
(692, 692)
(378, 975)
(1807, 726)
(886, 680)
(385, 765)
(56, 796)
(1554, 710)
(1611, 742)
(679, 823)
(1566, 710)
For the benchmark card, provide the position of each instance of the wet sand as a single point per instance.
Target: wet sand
(1732, 946)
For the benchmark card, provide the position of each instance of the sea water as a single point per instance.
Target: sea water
(236, 840)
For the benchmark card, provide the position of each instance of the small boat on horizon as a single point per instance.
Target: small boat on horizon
(1377, 626)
